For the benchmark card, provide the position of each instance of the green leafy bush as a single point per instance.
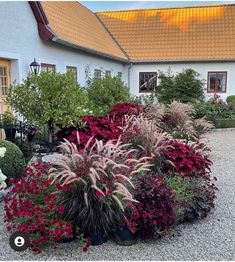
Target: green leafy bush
(105, 92)
(12, 164)
(49, 98)
(231, 100)
(213, 109)
(183, 196)
(184, 87)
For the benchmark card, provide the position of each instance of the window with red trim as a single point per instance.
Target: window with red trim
(74, 70)
(147, 81)
(47, 67)
(97, 73)
(217, 82)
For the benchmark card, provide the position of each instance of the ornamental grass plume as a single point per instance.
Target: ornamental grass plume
(142, 131)
(105, 167)
(178, 120)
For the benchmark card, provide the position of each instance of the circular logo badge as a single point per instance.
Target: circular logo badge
(19, 241)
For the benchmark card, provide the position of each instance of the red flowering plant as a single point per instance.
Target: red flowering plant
(98, 127)
(119, 111)
(153, 215)
(103, 128)
(184, 160)
(192, 163)
(98, 179)
(32, 208)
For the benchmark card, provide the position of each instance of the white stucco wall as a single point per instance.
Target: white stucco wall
(20, 43)
(201, 68)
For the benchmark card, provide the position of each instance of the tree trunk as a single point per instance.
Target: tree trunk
(51, 131)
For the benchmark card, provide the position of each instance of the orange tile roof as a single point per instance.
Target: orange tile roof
(174, 34)
(75, 24)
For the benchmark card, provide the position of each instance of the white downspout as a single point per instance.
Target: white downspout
(129, 79)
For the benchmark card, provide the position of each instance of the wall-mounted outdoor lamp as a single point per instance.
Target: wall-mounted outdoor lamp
(34, 66)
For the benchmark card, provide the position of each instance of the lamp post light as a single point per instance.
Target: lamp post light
(34, 66)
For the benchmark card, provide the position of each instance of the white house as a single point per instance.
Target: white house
(135, 44)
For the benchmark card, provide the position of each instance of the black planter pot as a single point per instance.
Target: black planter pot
(191, 215)
(124, 237)
(67, 240)
(10, 134)
(31, 138)
(98, 239)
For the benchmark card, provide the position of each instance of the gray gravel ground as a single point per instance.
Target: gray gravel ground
(208, 239)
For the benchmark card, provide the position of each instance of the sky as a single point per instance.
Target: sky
(119, 5)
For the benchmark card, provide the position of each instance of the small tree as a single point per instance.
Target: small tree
(184, 87)
(106, 92)
(48, 98)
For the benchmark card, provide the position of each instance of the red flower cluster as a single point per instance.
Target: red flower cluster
(185, 160)
(33, 209)
(154, 214)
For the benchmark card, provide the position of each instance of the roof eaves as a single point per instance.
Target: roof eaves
(183, 61)
(44, 30)
(88, 50)
(163, 8)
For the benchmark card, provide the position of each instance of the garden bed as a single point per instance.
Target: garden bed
(209, 239)
(137, 169)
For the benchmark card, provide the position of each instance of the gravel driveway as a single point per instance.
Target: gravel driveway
(208, 239)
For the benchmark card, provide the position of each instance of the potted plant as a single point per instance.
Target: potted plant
(95, 185)
(9, 123)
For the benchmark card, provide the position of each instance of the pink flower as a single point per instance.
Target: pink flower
(60, 209)
(11, 181)
(99, 194)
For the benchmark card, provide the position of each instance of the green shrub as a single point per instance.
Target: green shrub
(231, 100)
(213, 109)
(183, 196)
(184, 87)
(12, 164)
(105, 92)
(48, 97)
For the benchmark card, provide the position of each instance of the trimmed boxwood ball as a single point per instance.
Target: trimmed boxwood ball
(13, 163)
(230, 100)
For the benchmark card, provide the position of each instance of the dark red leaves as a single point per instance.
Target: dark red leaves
(185, 160)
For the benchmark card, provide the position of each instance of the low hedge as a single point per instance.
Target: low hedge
(225, 123)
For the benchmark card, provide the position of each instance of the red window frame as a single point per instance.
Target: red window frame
(74, 70)
(47, 66)
(148, 89)
(97, 74)
(216, 81)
